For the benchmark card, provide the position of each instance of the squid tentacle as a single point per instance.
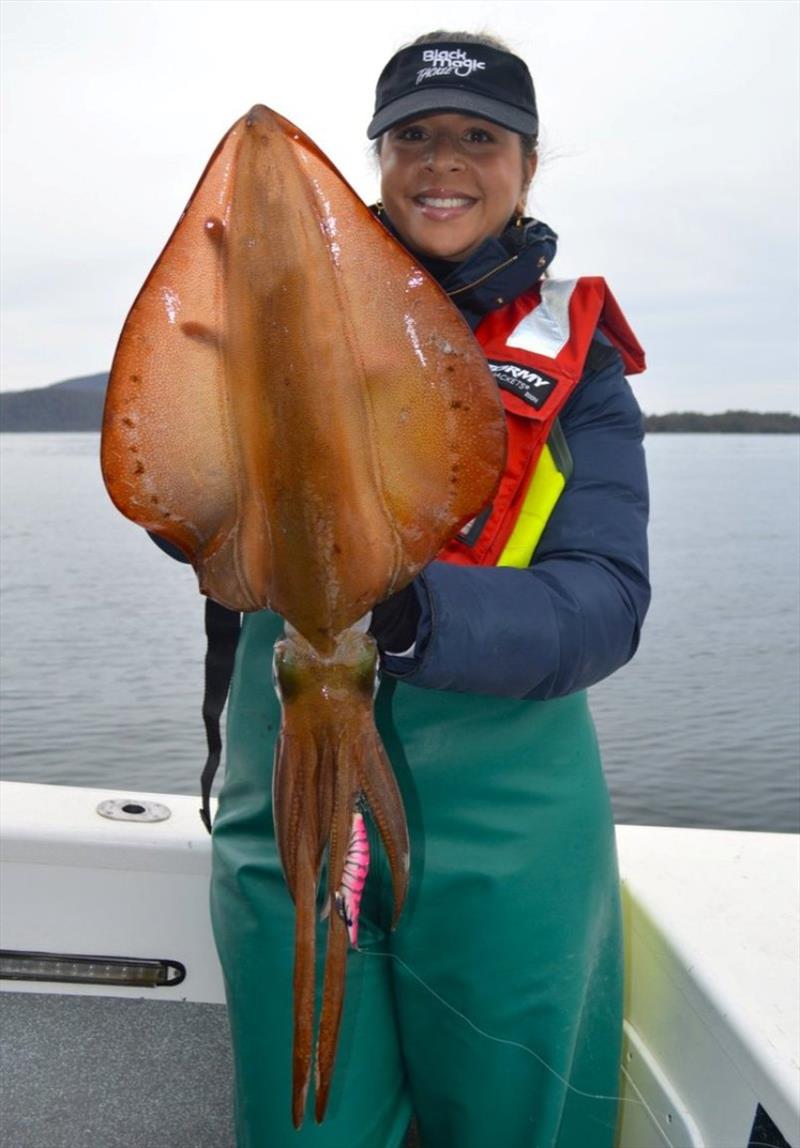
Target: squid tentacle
(336, 954)
(304, 987)
(382, 795)
(329, 766)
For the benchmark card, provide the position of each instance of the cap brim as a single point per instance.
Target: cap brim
(431, 101)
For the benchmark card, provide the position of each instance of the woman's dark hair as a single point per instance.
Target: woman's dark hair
(527, 143)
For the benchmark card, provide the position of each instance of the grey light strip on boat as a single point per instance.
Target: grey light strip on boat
(545, 331)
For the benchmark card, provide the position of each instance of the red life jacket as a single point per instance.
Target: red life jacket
(536, 347)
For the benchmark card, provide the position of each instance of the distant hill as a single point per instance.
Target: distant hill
(74, 405)
(77, 405)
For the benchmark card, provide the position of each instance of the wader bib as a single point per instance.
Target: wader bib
(503, 1023)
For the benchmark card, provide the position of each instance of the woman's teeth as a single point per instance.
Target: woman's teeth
(450, 201)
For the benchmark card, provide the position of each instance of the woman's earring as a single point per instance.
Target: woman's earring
(378, 207)
(519, 219)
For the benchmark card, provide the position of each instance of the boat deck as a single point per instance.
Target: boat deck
(712, 1052)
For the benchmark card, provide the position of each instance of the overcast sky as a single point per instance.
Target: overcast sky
(669, 161)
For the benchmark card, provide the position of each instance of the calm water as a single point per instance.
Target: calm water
(102, 637)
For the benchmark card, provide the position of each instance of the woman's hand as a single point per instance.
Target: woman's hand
(394, 622)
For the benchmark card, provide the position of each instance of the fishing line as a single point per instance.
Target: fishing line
(496, 1039)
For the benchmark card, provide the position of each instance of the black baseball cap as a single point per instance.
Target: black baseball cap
(452, 76)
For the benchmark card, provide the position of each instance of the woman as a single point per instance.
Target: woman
(500, 1022)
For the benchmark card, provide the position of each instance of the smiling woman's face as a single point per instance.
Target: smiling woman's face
(448, 182)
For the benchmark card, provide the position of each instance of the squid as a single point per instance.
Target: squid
(300, 409)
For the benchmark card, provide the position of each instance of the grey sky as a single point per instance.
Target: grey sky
(669, 160)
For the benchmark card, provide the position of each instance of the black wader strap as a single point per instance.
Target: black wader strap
(222, 636)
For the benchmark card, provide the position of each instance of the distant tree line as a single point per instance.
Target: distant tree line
(730, 422)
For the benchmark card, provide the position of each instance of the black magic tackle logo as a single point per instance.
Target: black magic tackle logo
(453, 62)
(531, 386)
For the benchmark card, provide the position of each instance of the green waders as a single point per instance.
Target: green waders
(512, 919)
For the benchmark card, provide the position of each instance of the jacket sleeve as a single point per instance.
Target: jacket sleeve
(574, 616)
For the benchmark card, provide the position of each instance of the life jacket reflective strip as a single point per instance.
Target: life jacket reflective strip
(536, 347)
(544, 490)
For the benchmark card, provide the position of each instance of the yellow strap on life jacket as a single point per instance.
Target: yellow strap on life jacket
(549, 479)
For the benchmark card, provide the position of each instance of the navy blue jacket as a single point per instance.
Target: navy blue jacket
(575, 615)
